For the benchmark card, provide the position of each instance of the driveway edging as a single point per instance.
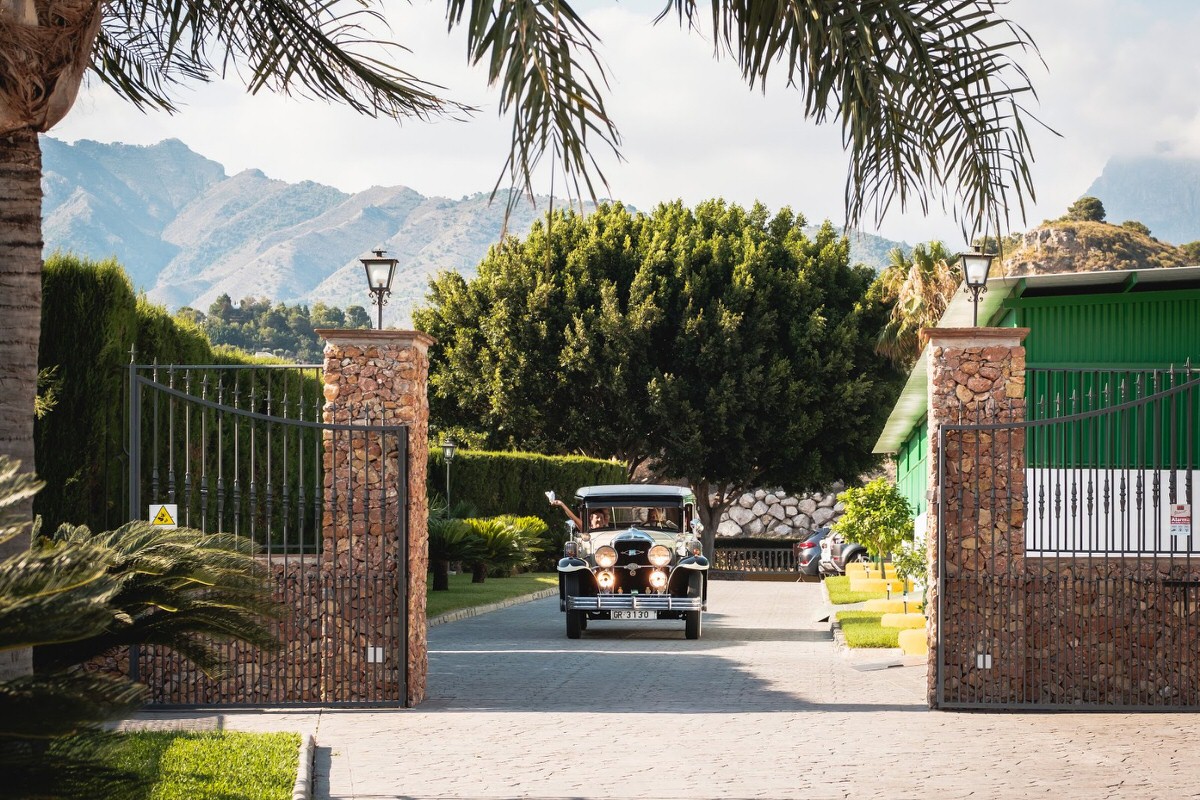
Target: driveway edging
(302, 789)
(475, 611)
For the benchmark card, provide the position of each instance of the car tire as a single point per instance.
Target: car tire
(574, 624)
(583, 620)
(856, 558)
(692, 619)
(692, 623)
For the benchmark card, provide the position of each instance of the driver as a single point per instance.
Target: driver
(657, 518)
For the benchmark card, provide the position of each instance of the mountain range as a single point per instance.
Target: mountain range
(1160, 191)
(187, 232)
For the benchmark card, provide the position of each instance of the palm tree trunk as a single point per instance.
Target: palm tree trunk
(20, 320)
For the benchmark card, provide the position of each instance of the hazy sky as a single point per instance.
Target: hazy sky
(1120, 77)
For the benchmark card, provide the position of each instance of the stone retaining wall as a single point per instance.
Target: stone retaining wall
(776, 514)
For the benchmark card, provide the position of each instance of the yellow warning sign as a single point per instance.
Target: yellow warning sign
(163, 515)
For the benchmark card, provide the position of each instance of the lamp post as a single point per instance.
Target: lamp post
(976, 266)
(449, 446)
(380, 272)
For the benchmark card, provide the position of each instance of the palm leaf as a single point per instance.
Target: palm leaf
(929, 93)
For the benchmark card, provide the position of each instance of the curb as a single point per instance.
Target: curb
(302, 790)
(475, 611)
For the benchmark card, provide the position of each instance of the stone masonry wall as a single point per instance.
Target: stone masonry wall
(374, 378)
(776, 514)
(977, 375)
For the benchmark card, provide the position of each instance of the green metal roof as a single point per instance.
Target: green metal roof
(913, 403)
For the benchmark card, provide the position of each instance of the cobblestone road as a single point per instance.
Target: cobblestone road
(763, 706)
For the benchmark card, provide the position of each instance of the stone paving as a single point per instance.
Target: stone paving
(763, 706)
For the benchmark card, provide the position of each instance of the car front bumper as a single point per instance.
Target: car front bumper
(647, 602)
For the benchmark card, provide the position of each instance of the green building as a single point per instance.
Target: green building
(1095, 339)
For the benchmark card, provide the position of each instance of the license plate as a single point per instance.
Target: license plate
(633, 615)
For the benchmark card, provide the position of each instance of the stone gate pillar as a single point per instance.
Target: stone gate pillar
(372, 378)
(977, 375)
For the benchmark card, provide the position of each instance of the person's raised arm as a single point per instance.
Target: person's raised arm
(570, 514)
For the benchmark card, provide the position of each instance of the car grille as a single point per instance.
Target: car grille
(652, 602)
(632, 552)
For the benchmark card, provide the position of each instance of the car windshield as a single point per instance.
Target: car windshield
(644, 517)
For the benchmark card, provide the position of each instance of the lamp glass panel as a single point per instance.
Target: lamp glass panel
(379, 273)
(976, 267)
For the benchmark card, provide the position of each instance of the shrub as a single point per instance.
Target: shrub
(877, 516)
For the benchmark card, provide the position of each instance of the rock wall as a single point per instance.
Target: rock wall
(776, 514)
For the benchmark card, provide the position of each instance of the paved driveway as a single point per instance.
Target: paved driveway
(633, 710)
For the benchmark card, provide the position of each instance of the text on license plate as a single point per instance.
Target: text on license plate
(633, 615)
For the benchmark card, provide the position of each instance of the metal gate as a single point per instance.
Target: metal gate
(244, 450)
(1069, 570)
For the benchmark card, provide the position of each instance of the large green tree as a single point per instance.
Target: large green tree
(929, 93)
(725, 344)
(768, 373)
(548, 348)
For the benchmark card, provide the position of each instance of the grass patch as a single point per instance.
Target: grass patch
(464, 594)
(212, 766)
(838, 587)
(863, 629)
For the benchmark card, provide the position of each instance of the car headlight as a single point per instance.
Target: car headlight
(658, 579)
(571, 549)
(659, 555)
(605, 556)
(695, 548)
(606, 580)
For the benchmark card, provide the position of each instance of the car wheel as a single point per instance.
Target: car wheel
(691, 628)
(574, 624)
(857, 557)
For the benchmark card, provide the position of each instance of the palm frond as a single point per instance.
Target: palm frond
(182, 589)
(929, 93)
(556, 97)
(16, 489)
(320, 49)
(63, 702)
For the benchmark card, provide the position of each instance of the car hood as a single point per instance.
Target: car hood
(654, 536)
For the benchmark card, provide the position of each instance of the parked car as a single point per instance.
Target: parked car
(808, 552)
(836, 553)
(637, 557)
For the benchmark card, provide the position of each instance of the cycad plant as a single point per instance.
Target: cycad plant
(451, 540)
(504, 548)
(78, 596)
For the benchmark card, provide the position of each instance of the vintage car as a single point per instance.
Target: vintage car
(637, 556)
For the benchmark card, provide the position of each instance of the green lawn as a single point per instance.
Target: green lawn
(212, 766)
(464, 594)
(840, 594)
(862, 629)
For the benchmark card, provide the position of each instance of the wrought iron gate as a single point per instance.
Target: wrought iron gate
(1069, 569)
(245, 450)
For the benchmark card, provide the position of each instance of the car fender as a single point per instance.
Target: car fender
(585, 586)
(683, 572)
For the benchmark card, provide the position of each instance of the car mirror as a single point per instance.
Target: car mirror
(551, 496)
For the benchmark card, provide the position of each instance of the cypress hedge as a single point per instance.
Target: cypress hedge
(91, 319)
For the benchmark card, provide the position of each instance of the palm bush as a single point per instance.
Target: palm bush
(504, 548)
(451, 540)
(79, 595)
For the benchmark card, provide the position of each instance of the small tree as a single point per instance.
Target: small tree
(1085, 209)
(877, 516)
(1191, 250)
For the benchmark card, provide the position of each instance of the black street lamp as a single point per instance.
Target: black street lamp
(976, 266)
(449, 446)
(380, 272)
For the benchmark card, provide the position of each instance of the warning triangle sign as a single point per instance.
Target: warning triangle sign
(163, 517)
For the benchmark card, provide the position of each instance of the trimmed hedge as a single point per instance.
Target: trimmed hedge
(516, 483)
(91, 318)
